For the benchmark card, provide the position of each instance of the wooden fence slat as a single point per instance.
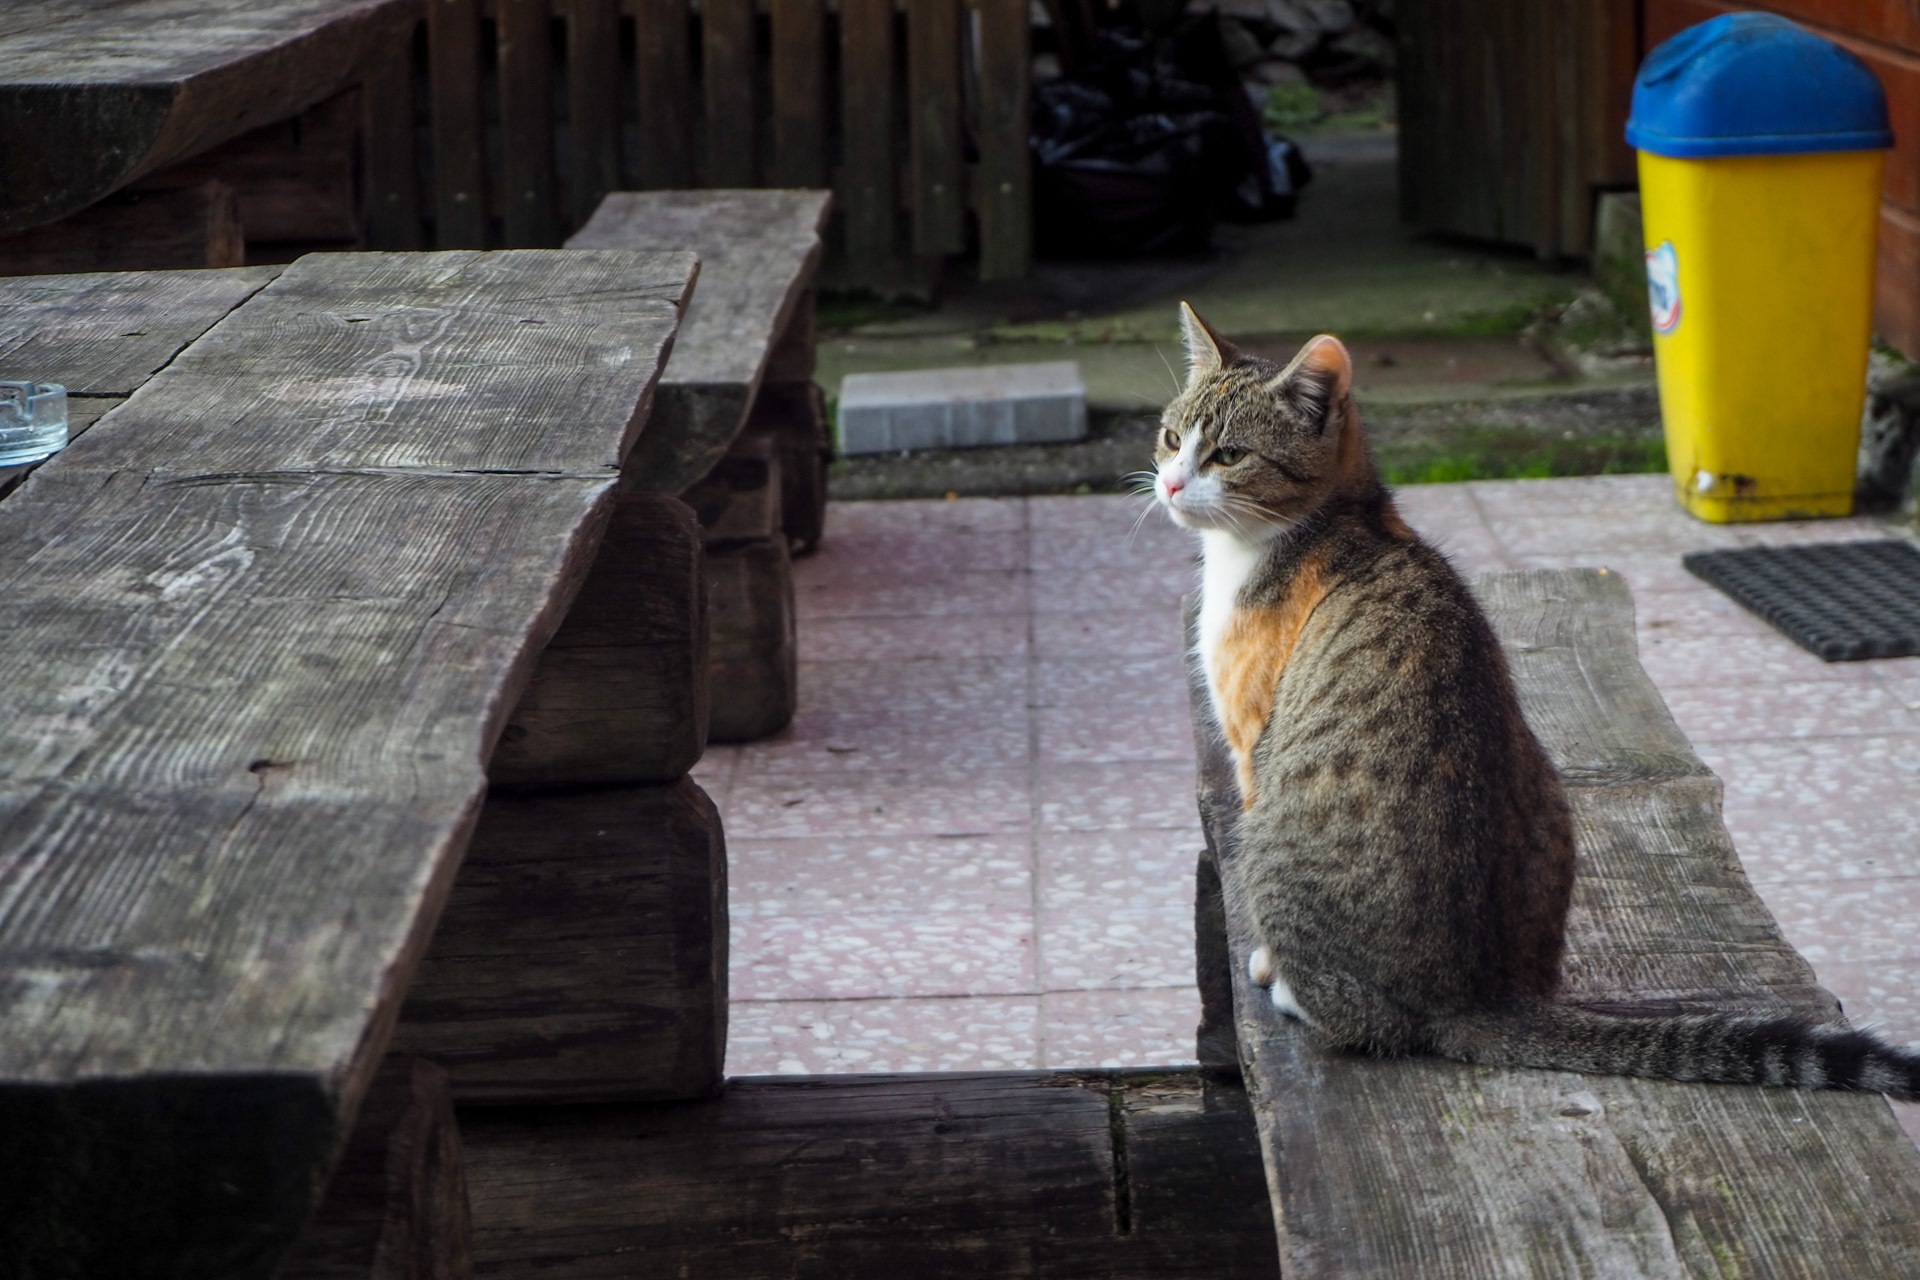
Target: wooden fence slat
(799, 93)
(726, 48)
(869, 184)
(459, 152)
(526, 123)
(593, 104)
(1004, 201)
(933, 92)
(393, 161)
(666, 93)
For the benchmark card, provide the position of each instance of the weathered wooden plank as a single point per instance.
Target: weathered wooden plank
(1526, 1173)
(799, 93)
(247, 753)
(933, 104)
(396, 1207)
(527, 194)
(666, 93)
(454, 70)
(1004, 199)
(794, 415)
(453, 361)
(582, 955)
(730, 71)
(196, 226)
(758, 250)
(1114, 1174)
(93, 95)
(869, 184)
(593, 104)
(393, 160)
(105, 334)
(621, 691)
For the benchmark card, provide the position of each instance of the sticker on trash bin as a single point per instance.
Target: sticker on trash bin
(1663, 287)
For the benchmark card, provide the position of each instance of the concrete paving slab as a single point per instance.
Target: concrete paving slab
(962, 408)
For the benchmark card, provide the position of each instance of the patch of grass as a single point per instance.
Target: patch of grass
(1520, 455)
(841, 310)
(1289, 106)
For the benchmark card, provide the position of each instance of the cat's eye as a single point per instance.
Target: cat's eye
(1227, 457)
(1169, 439)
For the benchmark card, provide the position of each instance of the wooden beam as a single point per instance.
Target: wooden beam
(799, 93)
(393, 159)
(869, 186)
(666, 93)
(731, 69)
(933, 105)
(527, 196)
(1004, 200)
(459, 128)
(593, 104)
(195, 226)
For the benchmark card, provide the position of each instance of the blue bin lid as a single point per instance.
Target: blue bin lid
(1748, 84)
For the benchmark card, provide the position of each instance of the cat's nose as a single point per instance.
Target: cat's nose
(1174, 484)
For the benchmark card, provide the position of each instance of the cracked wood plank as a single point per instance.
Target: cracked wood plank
(96, 93)
(758, 251)
(1426, 1168)
(253, 667)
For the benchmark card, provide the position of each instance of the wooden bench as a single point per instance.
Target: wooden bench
(266, 618)
(741, 429)
(94, 97)
(1423, 1168)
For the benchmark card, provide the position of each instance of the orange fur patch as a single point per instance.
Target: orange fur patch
(1250, 658)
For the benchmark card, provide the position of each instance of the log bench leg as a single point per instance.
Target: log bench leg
(396, 1208)
(582, 955)
(1217, 1046)
(795, 414)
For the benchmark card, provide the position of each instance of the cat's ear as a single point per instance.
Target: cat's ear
(1318, 379)
(1207, 351)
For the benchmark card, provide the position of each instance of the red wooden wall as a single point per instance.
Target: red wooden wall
(1886, 34)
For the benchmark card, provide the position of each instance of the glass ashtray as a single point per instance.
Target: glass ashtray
(33, 421)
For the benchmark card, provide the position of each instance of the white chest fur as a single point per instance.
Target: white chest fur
(1227, 561)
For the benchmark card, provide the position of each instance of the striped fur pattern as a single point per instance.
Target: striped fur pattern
(1406, 851)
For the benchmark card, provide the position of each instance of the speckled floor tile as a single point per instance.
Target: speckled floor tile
(1072, 682)
(1116, 908)
(1471, 549)
(1108, 634)
(1849, 921)
(1796, 709)
(960, 636)
(714, 772)
(1643, 570)
(846, 875)
(1579, 495)
(998, 591)
(1882, 994)
(1433, 507)
(814, 1037)
(1095, 797)
(1630, 529)
(1699, 611)
(883, 953)
(1123, 730)
(909, 554)
(1150, 587)
(956, 738)
(1900, 677)
(1121, 546)
(866, 521)
(1092, 511)
(1822, 808)
(852, 687)
(881, 803)
(1800, 532)
(1736, 658)
(1131, 1028)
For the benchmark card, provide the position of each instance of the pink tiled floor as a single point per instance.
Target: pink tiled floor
(974, 848)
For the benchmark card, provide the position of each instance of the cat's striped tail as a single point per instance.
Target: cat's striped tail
(1724, 1048)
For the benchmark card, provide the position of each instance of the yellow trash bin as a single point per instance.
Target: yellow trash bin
(1761, 147)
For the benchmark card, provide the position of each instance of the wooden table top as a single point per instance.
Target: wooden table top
(96, 93)
(263, 621)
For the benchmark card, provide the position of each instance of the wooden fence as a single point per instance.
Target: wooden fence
(508, 120)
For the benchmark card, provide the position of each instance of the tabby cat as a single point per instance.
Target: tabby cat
(1406, 853)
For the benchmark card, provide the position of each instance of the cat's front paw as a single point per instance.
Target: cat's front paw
(1260, 966)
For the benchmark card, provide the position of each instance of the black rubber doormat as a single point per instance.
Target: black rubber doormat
(1841, 600)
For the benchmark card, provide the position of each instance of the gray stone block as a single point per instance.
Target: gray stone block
(958, 408)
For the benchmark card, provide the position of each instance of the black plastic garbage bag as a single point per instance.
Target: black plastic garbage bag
(1147, 144)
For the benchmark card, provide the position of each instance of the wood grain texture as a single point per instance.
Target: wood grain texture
(799, 93)
(392, 150)
(154, 230)
(620, 694)
(105, 334)
(665, 44)
(457, 361)
(758, 251)
(396, 1206)
(252, 679)
(1003, 200)
(526, 197)
(593, 104)
(95, 95)
(1112, 1174)
(934, 108)
(582, 955)
(794, 415)
(456, 81)
(730, 65)
(1536, 1173)
(869, 179)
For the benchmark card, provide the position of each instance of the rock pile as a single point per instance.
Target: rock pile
(1328, 43)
